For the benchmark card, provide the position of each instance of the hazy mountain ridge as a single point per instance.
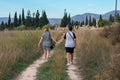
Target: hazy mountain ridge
(80, 17)
(96, 16)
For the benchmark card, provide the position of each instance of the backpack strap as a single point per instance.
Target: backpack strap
(71, 35)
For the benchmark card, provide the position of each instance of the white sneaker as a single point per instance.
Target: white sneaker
(71, 62)
(46, 60)
(68, 64)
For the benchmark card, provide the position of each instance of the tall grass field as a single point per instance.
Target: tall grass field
(17, 50)
(97, 53)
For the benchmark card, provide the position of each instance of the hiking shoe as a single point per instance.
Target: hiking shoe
(68, 64)
(71, 62)
(46, 60)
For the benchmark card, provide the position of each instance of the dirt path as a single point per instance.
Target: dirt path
(30, 72)
(74, 72)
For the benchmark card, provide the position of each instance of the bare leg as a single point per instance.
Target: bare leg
(68, 57)
(72, 57)
(48, 54)
(45, 53)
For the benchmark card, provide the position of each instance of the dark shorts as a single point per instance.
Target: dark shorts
(69, 50)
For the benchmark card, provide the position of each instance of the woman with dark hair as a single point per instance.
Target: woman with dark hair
(46, 42)
(70, 44)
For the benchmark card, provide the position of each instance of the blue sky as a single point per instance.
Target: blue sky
(55, 8)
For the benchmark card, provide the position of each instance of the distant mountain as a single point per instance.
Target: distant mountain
(79, 18)
(5, 19)
(54, 21)
(83, 16)
(106, 15)
(96, 16)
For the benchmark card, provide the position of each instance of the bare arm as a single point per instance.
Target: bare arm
(75, 42)
(60, 41)
(40, 41)
(54, 40)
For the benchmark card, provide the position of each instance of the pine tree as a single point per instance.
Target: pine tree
(82, 23)
(2, 23)
(28, 19)
(72, 23)
(37, 18)
(23, 17)
(33, 20)
(15, 20)
(43, 19)
(9, 21)
(86, 21)
(100, 19)
(69, 20)
(2, 26)
(90, 21)
(94, 22)
(111, 18)
(19, 22)
(64, 20)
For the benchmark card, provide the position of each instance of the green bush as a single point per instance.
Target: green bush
(49, 26)
(103, 23)
(21, 27)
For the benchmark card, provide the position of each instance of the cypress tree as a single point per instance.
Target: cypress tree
(33, 20)
(69, 20)
(9, 21)
(19, 22)
(100, 19)
(86, 21)
(2, 26)
(28, 19)
(15, 20)
(94, 22)
(37, 18)
(90, 21)
(111, 18)
(43, 19)
(23, 17)
(64, 20)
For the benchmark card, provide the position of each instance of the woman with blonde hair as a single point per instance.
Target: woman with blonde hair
(46, 42)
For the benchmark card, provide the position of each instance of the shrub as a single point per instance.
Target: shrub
(49, 26)
(103, 23)
(22, 27)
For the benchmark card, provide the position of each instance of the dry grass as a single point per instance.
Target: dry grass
(17, 47)
(93, 52)
(112, 33)
(112, 72)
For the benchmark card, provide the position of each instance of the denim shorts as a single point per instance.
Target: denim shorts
(46, 48)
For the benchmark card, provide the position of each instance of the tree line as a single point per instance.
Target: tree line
(89, 21)
(34, 20)
(30, 21)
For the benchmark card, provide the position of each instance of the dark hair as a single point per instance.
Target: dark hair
(70, 28)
